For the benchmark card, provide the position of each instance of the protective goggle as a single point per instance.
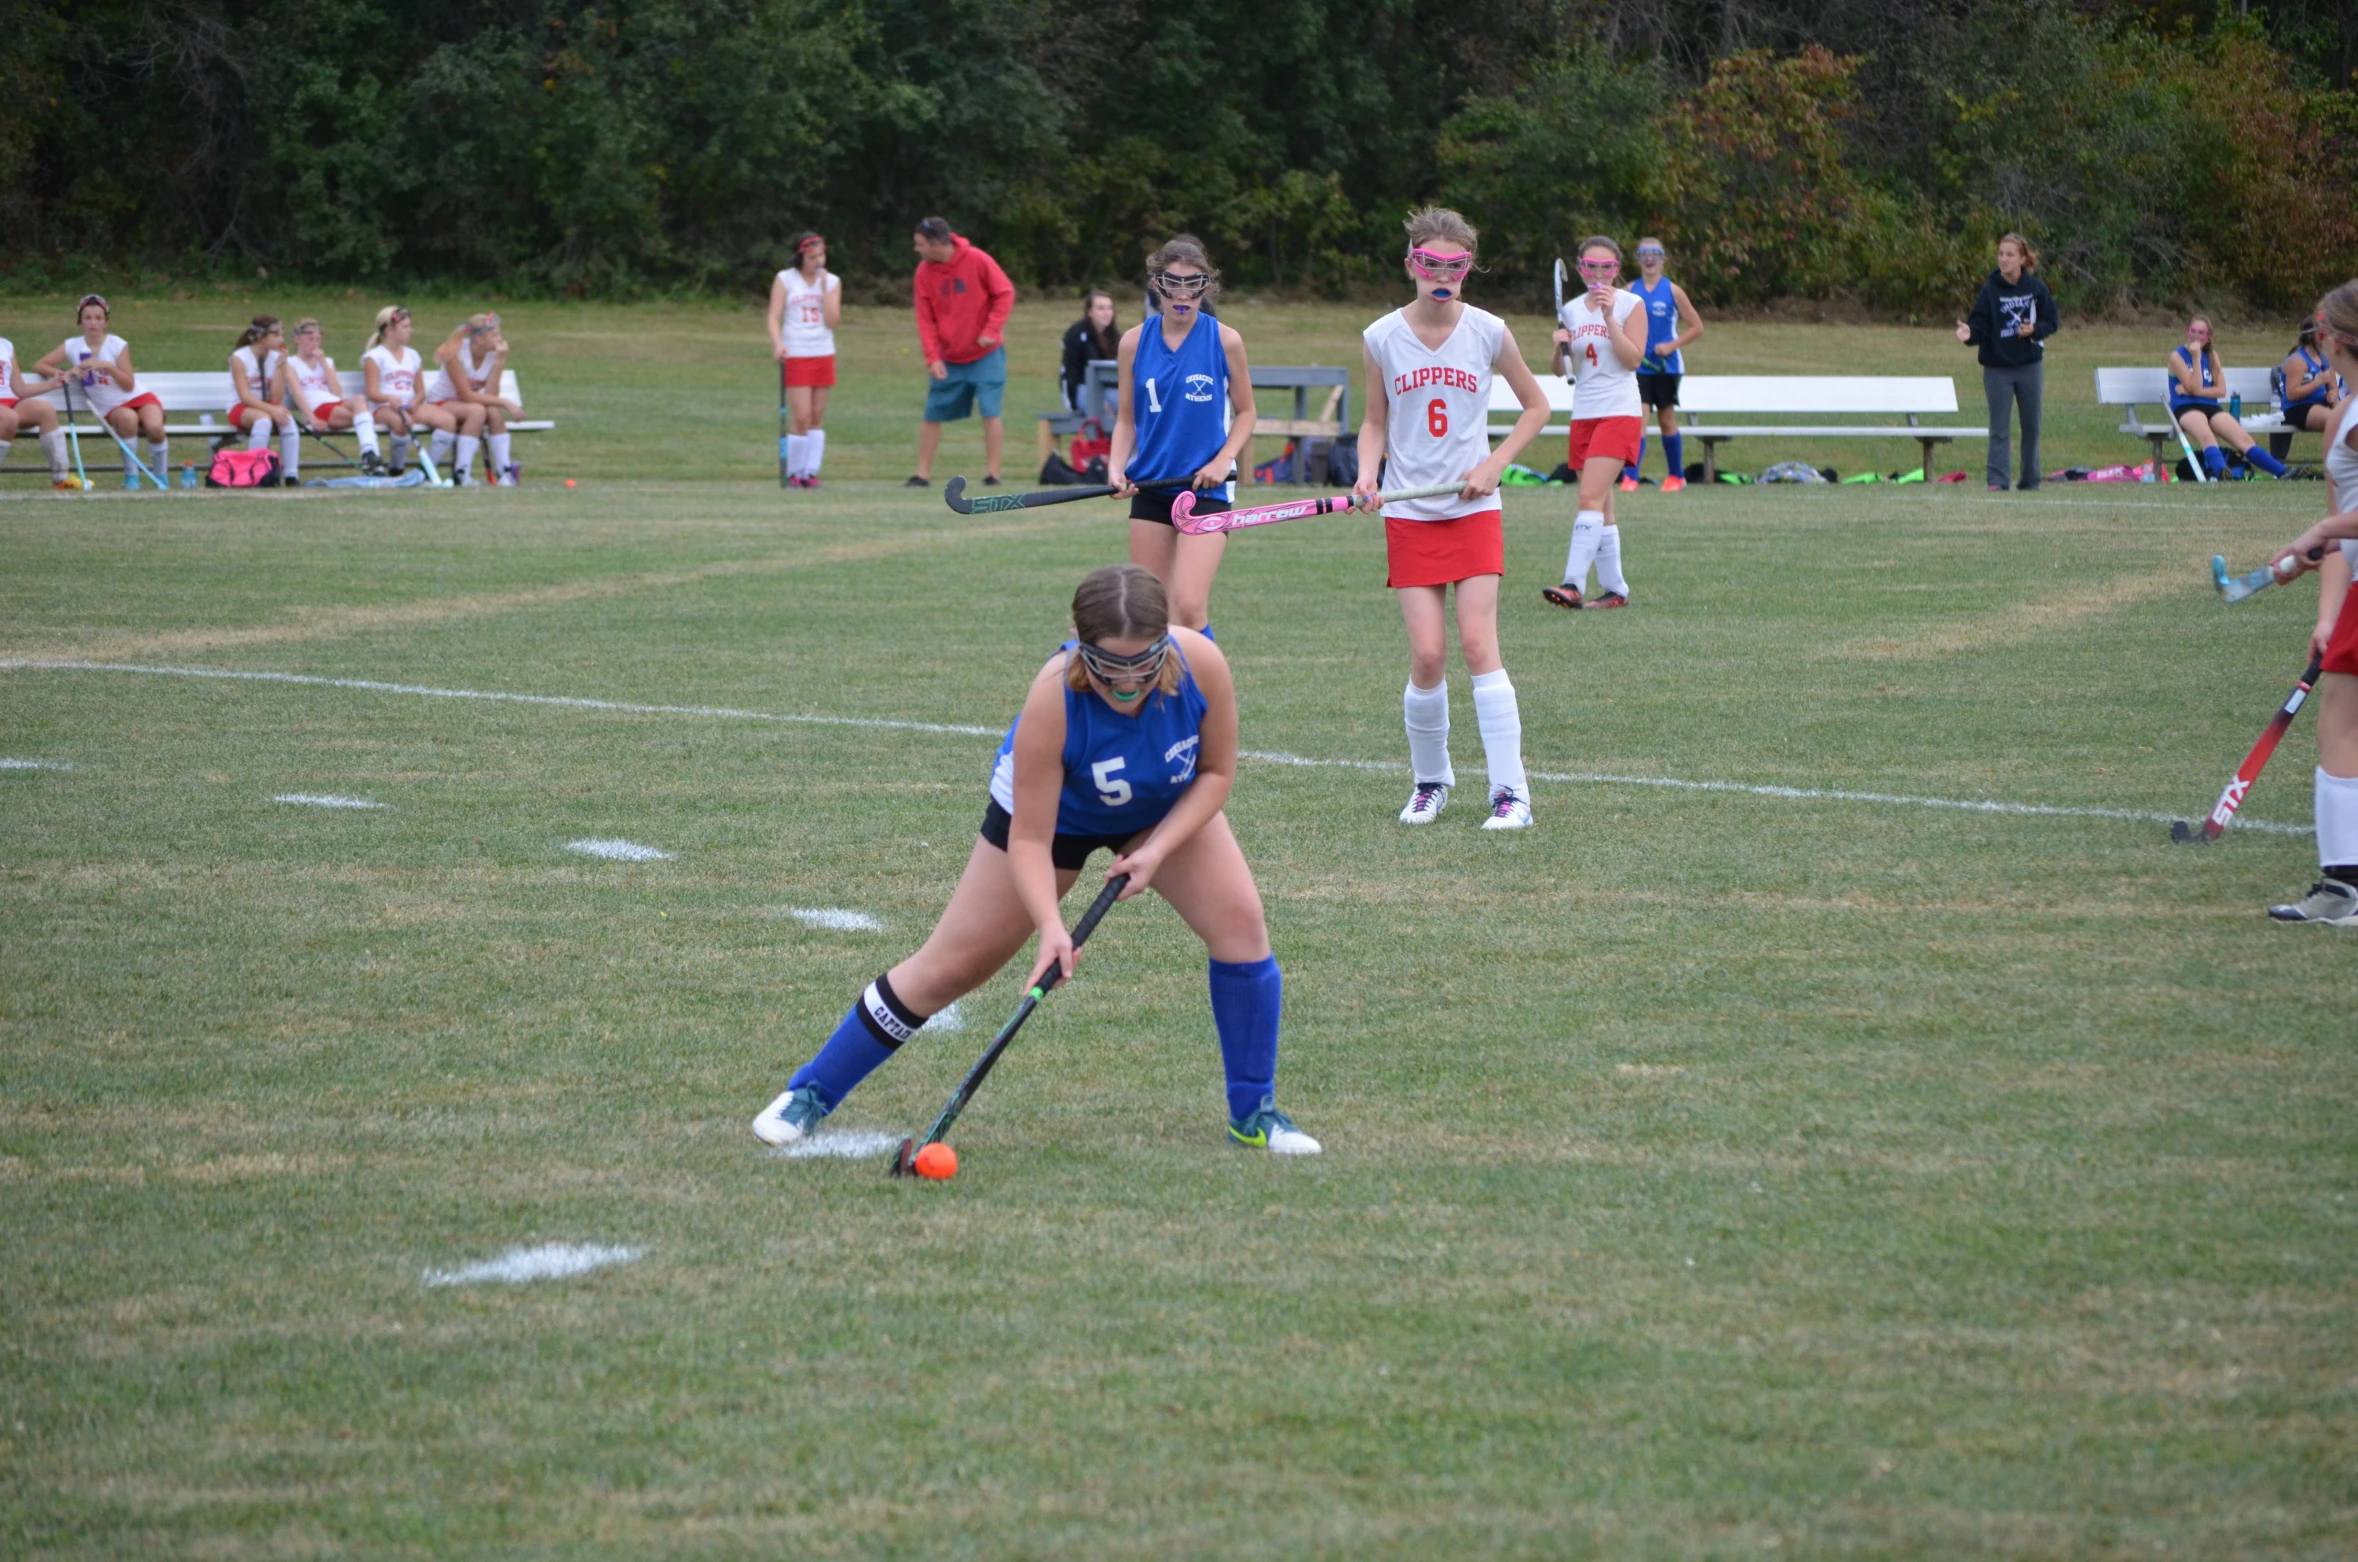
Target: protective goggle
(1439, 268)
(1649, 252)
(1600, 268)
(1177, 284)
(1112, 670)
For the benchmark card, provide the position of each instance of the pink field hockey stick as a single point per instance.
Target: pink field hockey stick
(1183, 514)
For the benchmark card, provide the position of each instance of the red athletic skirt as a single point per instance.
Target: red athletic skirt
(143, 399)
(1440, 553)
(1619, 438)
(2341, 652)
(813, 372)
(240, 415)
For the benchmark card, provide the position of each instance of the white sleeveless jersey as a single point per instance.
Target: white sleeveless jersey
(259, 372)
(314, 387)
(95, 389)
(2341, 468)
(397, 374)
(478, 375)
(1439, 428)
(7, 369)
(1602, 385)
(805, 324)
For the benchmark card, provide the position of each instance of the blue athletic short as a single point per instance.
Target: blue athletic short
(970, 387)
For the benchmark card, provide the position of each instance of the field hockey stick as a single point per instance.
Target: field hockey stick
(2236, 588)
(2202, 474)
(2253, 763)
(1184, 518)
(903, 1161)
(130, 456)
(954, 495)
(73, 432)
(1560, 276)
(783, 427)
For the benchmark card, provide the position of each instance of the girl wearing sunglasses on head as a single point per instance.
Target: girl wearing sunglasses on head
(1601, 334)
(1126, 743)
(1427, 421)
(2197, 383)
(1183, 413)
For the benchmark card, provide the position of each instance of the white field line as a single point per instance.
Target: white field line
(34, 764)
(1670, 783)
(550, 1261)
(835, 918)
(617, 851)
(849, 1144)
(325, 800)
(949, 1019)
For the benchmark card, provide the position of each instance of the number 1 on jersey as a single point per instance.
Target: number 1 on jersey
(1154, 403)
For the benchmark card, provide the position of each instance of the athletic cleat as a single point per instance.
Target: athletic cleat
(510, 476)
(1566, 595)
(1611, 599)
(1271, 1130)
(1628, 485)
(812, 481)
(791, 1117)
(1508, 811)
(2329, 902)
(1426, 803)
(1672, 485)
(990, 482)
(918, 482)
(371, 464)
(67, 485)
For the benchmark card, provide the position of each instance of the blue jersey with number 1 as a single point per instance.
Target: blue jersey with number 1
(1121, 773)
(1661, 328)
(1179, 400)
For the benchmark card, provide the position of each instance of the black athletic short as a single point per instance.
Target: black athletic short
(1154, 504)
(1071, 852)
(1658, 390)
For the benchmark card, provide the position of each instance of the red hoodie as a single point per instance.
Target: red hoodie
(961, 302)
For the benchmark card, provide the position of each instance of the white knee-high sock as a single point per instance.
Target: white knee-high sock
(290, 451)
(401, 448)
(466, 459)
(1609, 573)
(258, 437)
(1587, 529)
(798, 454)
(1426, 712)
(817, 446)
(1501, 721)
(439, 446)
(2337, 820)
(159, 460)
(364, 428)
(500, 459)
(53, 445)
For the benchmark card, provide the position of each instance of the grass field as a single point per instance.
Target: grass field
(1710, 1173)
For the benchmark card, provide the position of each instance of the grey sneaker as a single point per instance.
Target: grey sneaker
(2329, 901)
(1271, 1130)
(792, 1116)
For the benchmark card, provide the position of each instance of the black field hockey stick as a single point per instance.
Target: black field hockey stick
(2235, 588)
(954, 495)
(785, 424)
(903, 1161)
(2182, 831)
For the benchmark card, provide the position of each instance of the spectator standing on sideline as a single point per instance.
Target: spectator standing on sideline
(963, 301)
(1095, 336)
(2010, 322)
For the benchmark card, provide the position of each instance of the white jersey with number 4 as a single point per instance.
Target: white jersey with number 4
(1602, 385)
(93, 387)
(805, 324)
(397, 374)
(1440, 408)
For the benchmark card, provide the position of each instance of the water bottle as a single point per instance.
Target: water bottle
(2235, 405)
(188, 477)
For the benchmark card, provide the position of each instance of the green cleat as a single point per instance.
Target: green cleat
(1271, 1130)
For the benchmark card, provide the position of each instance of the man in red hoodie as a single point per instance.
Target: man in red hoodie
(963, 301)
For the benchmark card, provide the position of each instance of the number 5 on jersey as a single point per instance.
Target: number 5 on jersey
(1112, 790)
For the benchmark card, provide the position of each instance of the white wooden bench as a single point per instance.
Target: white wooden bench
(2135, 388)
(1703, 396)
(196, 406)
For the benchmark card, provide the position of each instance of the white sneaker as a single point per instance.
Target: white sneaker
(1508, 811)
(789, 1118)
(1425, 805)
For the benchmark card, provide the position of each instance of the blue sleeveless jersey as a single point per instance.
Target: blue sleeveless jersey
(1179, 401)
(2179, 400)
(1661, 326)
(2310, 364)
(1121, 773)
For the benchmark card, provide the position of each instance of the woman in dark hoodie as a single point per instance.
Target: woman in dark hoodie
(1094, 336)
(2010, 322)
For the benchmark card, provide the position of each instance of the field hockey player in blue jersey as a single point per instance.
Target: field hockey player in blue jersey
(1185, 412)
(1671, 323)
(1126, 743)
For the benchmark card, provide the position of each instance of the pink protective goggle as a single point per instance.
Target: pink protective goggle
(1439, 268)
(1599, 268)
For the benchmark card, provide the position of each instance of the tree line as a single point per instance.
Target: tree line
(1870, 149)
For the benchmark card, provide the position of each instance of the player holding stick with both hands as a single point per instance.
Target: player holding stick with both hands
(1429, 368)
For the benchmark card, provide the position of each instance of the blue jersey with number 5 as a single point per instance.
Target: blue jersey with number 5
(1121, 773)
(1179, 400)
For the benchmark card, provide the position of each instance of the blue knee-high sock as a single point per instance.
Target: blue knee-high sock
(2214, 460)
(872, 1032)
(1639, 465)
(1674, 450)
(2264, 461)
(1245, 1004)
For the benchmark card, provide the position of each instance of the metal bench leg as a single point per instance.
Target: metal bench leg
(1710, 461)
(1926, 445)
(2280, 444)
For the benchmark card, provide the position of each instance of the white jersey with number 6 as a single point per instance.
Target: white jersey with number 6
(1440, 408)
(1602, 385)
